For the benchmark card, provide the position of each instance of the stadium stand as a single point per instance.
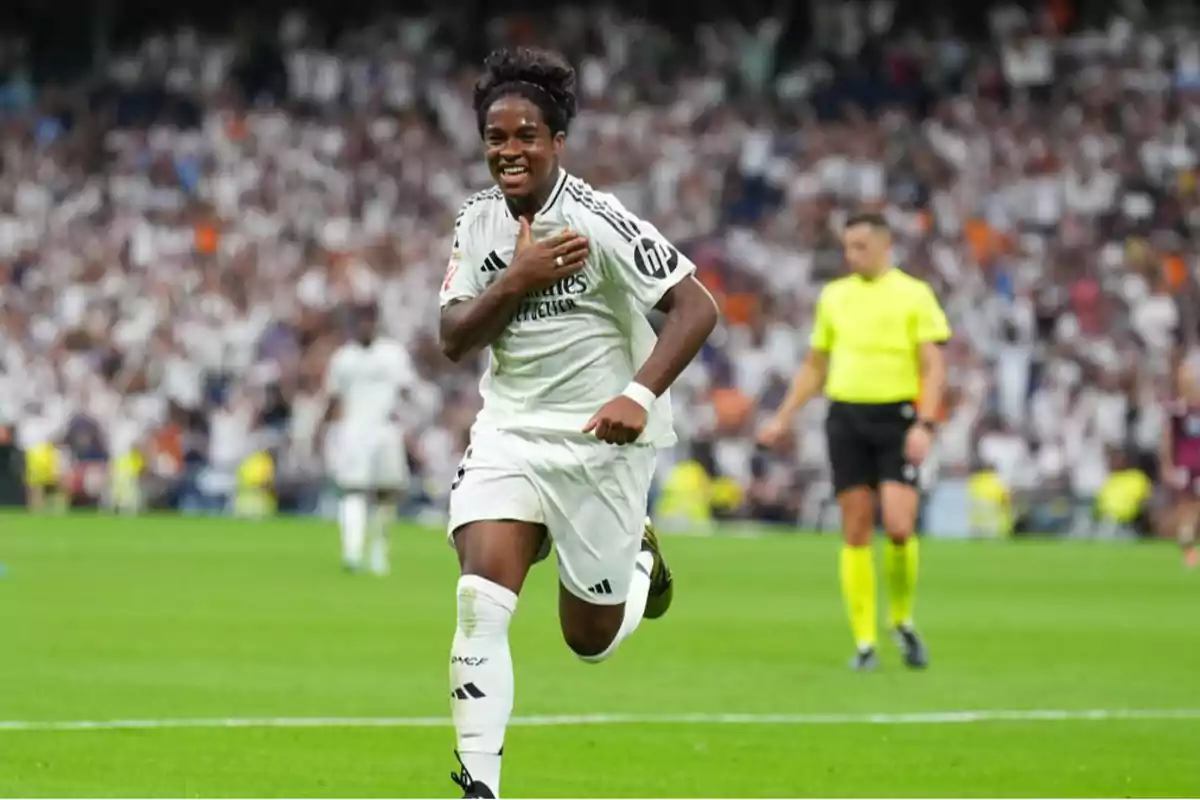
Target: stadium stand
(180, 234)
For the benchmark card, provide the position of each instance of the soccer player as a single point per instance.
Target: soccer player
(556, 278)
(369, 464)
(1180, 459)
(875, 352)
(39, 436)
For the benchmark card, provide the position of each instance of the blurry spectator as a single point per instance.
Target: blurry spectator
(1122, 504)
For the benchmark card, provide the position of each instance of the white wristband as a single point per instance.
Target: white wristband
(640, 395)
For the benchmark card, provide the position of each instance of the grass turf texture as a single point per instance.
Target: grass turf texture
(166, 618)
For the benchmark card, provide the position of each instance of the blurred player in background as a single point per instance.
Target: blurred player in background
(1181, 457)
(38, 436)
(556, 278)
(876, 353)
(125, 494)
(366, 446)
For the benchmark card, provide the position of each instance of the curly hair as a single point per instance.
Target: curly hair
(543, 77)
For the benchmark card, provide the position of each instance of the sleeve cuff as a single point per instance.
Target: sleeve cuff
(670, 282)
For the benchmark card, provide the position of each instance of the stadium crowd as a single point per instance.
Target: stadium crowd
(179, 242)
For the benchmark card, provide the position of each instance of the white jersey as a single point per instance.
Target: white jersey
(367, 381)
(575, 346)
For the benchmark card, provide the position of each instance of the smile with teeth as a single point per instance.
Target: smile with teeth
(514, 170)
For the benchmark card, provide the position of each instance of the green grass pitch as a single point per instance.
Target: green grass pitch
(163, 619)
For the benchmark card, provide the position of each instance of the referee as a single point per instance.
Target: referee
(875, 350)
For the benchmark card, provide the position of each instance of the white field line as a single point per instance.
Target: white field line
(916, 718)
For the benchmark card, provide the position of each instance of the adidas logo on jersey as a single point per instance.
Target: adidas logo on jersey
(603, 587)
(493, 263)
(549, 302)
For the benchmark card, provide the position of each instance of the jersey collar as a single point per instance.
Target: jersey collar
(880, 278)
(552, 199)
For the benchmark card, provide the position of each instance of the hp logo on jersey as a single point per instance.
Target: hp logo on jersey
(654, 259)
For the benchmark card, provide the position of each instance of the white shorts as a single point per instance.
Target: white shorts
(368, 460)
(591, 496)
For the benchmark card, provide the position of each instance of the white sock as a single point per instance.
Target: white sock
(381, 520)
(481, 676)
(635, 606)
(353, 517)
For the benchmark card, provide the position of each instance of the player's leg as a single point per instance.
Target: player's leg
(857, 572)
(35, 497)
(611, 571)
(1185, 530)
(382, 516)
(353, 513)
(853, 465)
(389, 474)
(59, 498)
(496, 525)
(39, 472)
(900, 499)
(902, 565)
(352, 473)
(495, 556)
(594, 631)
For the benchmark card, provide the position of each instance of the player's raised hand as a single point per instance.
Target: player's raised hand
(539, 265)
(619, 421)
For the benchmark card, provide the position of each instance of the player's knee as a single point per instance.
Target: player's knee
(898, 524)
(592, 640)
(898, 530)
(485, 608)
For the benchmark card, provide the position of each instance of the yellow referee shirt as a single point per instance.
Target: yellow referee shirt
(872, 330)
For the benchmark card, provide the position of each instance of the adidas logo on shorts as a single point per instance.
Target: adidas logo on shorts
(603, 587)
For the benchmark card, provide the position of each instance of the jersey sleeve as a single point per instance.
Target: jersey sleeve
(821, 339)
(932, 325)
(462, 281)
(636, 256)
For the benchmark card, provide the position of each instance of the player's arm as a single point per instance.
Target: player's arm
(809, 379)
(933, 382)
(656, 275)
(335, 386)
(932, 331)
(470, 324)
(691, 315)
(474, 316)
(333, 404)
(651, 271)
(807, 383)
(1166, 451)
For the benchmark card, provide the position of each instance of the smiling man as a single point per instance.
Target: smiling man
(556, 279)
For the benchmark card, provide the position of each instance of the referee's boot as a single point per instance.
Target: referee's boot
(916, 656)
(865, 660)
(662, 583)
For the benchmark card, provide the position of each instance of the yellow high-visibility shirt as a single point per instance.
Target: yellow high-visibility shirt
(873, 330)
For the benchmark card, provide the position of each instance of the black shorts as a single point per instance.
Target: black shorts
(866, 444)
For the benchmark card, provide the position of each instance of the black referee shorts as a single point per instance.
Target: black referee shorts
(866, 444)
